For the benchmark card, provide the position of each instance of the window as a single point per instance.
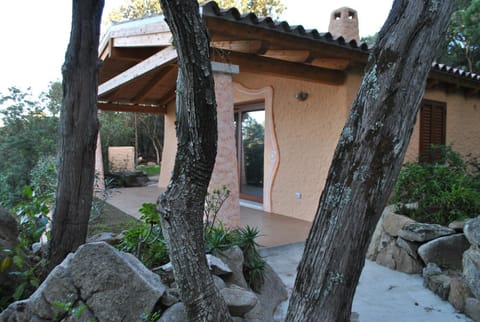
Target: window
(432, 129)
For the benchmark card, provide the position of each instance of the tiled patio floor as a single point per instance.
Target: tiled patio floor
(275, 229)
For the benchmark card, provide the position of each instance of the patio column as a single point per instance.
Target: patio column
(225, 171)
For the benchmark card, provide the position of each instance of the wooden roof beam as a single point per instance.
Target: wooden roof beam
(331, 63)
(162, 39)
(224, 30)
(149, 86)
(124, 107)
(243, 46)
(298, 56)
(275, 67)
(155, 61)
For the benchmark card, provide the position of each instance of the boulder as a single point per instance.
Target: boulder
(431, 269)
(446, 251)
(107, 237)
(113, 286)
(239, 300)
(472, 308)
(457, 225)
(472, 231)
(459, 292)
(438, 284)
(419, 232)
(471, 269)
(217, 266)
(396, 258)
(408, 246)
(170, 297)
(393, 223)
(219, 283)
(233, 257)
(270, 295)
(175, 313)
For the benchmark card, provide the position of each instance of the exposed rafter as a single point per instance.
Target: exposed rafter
(243, 46)
(158, 60)
(275, 67)
(122, 107)
(298, 56)
(151, 40)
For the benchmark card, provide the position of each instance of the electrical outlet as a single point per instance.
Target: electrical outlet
(298, 195)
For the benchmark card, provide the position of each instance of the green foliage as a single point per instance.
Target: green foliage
(254, 264)
(213, 203)
(149, 170)
(134, 9)
(445, 191)
(68, 309)
(28, 135)
(461, 47)
(145, 240)
(219, 238)
(27, 271)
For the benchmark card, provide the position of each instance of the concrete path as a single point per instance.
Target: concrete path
(383, 295)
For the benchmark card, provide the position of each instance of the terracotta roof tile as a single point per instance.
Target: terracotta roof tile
(212, 9)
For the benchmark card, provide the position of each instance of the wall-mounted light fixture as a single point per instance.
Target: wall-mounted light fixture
(301, 96)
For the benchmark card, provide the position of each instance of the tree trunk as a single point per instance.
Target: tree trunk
(78, 132)
(181, 205)
(367, 160)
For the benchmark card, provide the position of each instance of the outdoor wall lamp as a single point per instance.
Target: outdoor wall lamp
(301, 96)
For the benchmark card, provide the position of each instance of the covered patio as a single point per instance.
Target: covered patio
(275, 230)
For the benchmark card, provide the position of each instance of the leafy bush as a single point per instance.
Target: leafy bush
(27, 271)
(145, 240)
(445, 191)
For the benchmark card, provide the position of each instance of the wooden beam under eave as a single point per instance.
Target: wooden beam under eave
(297, 56)
(146, 90)
(243, 46)
(155, 61)
(117, 107)
(151, 40)
(269, 66)
(331, 63)
(431, 83)
(224, 30)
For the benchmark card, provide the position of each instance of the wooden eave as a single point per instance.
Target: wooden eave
(139, 68)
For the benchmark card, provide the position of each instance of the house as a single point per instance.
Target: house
(298, 83)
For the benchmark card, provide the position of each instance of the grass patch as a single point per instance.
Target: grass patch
(111, 220)
(149, 170)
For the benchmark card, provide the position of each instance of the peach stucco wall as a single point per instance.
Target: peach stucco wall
(304, 134)
(169, 147)
(225, 170)
(463, 119)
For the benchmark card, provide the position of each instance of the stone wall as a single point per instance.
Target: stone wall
(447, 257)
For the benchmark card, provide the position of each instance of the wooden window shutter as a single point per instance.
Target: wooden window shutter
(432, 129)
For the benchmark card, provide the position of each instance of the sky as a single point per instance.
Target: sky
(35, 34)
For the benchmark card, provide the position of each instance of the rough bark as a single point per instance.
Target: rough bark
(367, 160)
(181, 205)
(78, 132)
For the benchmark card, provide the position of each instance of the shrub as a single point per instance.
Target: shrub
(145, 240)
(446, 190)
(27, 271)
